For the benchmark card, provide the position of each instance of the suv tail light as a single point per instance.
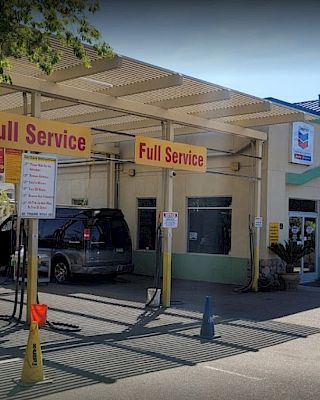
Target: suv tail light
(86, 234)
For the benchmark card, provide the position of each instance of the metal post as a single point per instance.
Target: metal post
(167, 235)
(258, 214)
(17, 185)
(111, 185)
(32, 273)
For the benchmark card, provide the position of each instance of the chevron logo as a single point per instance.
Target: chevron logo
(303, 140)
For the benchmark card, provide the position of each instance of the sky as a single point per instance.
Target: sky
(265, 48)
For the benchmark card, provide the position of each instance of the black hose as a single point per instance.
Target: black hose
(24, 265)
(248, 286)
(158, 257)
(17, 271)
(11, 317)
(61, 326)
(157, 274)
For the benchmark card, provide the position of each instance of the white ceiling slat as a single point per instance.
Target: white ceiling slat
(21, 82)
(131, 125)
(88, 117)
(156, 83)
(45, 106)
(144, 86)
(269, 120)
(127, 74)
(154, 132)
(193, 99)
(237, 110)
(79, 70)
(5, 91)
(176, 102)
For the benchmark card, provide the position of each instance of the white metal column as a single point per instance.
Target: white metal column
(258, 214)
(111, 184)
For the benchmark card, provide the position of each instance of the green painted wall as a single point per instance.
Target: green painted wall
(198, 267)
(304, 177)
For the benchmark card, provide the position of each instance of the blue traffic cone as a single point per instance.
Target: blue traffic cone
(207, 327)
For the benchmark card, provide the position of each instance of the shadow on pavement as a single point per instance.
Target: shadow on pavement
(190, 295)
(120, 338)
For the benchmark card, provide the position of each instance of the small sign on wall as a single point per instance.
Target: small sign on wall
(274, 228)
(169, 219)
(258, 222)
(12, 169)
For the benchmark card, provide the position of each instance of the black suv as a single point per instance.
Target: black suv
(78, 241)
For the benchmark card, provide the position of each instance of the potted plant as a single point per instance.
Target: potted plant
(290, 253)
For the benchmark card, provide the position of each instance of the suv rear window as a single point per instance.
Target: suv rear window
(100, 233)
(120, 233)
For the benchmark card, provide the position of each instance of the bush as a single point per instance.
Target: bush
(290, 252)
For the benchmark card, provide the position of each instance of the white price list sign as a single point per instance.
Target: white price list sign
(38, 187)
(169, 219)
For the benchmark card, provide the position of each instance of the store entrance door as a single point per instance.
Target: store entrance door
(303, 229)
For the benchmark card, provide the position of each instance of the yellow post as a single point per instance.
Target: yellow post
(167, 188)
(32, 273)
(32, 371)
(166, 295)
(258, 214)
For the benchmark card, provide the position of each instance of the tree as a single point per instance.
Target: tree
(27, 28)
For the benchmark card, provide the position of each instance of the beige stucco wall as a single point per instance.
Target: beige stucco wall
(93, 182)
(83, 181)
(278, 192)
(147, 182)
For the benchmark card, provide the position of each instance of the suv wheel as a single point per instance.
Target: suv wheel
(60, 271)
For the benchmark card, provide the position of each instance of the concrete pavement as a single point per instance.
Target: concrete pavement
(269, 346)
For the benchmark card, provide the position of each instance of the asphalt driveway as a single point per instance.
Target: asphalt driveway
(269, 346)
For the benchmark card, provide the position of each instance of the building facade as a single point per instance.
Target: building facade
(213, 240)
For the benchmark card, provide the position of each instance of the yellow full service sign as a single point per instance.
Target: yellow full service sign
(45, 136)
(166, 154)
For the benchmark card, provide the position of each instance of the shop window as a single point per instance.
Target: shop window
(147, 213)
(302, 205)
(209, 225)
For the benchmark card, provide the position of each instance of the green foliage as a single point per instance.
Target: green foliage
(27, 28)
(4, 199)
(291, 252)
